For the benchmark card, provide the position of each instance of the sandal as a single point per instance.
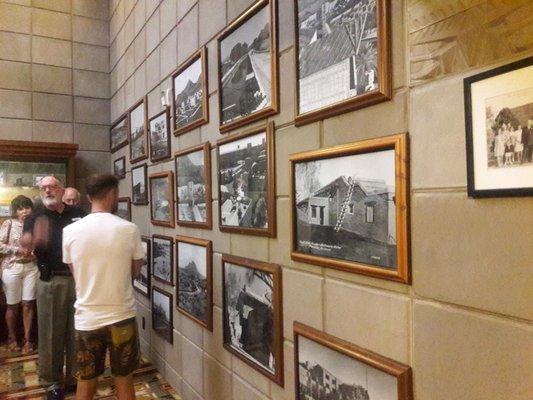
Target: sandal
(13, 346)
(28, 348)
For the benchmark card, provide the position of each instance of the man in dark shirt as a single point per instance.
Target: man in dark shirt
(55, 289)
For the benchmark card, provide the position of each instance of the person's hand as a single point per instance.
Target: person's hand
(21, 252)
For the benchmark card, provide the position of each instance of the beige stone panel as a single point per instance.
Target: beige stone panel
(287, 391)
(52, 132)
(144, 315)
(168, 56)
(139, 15)
(368, 281)
(216, 380)
(129, 61)
(466, 251)
(118, 105)
(121, 72)
(209, 132)
(152, 69)
(183, 7)
(55, 5)
(174, 379)
(91, 84)
(15, 18)
(213, 340)
(221, 241)
(255, 247)
(212, 17)
(190, 139)
(51, 24)
(151, 6)
(286, 26)
(188, 35)
(89, 57)
(20, 2)
(145, 349)
(157, 359)
(154, 101)
(217, 279)
(91, 8)
(113, 54)
(51, 51)
(15, 47)
(140, 48)
(152, 32)
(129, 92)
(173, 356)
(91, 111)
(116, 21)
(90, 31)
(376, 320)
(14, 129)
(212, 68)
(15, 75)
(286, 96)
(92, 162)
(91, 137)
(191, 330)
(52, 107)
(243, 391)
(237, 7)
(463, 355)
(188, 393)
(250, 375)
(113, 82)
(192, 371)
(167, 11)
(140, 81)
(129, 30)
(399, 73)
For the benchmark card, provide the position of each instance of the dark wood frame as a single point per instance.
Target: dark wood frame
(169, 148)
(123, 160)
(399, 144)
(169, 337)
(401, 372)
(384, 62)
(126, 200)
(124, 117)
(240, 20)
(171, 241)
(270, 197)
(144, 102)
(277, 316)
(170, 179)
(470, 166)
(202, 55)
(148, 242)
(145, 172)
(208, 324)
(206, 148)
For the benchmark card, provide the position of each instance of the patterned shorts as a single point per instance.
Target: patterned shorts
(120, 338)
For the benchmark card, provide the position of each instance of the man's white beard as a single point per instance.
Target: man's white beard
(51, 201)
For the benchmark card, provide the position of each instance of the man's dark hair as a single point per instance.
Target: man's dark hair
(99, 185)
(20, 202)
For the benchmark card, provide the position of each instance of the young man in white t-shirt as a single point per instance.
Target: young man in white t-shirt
(103, 252)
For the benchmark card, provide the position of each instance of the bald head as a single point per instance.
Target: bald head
(71, 196)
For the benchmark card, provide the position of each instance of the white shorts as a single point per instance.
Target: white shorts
(19, 282)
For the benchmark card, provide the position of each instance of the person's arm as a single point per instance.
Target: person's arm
(5, 247)
(70, 268)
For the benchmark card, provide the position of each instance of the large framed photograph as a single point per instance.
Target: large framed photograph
(349, 207)
(189, 88)
(246, 182)
(163, 258)
(124, 208)
(252, 314)
(499, 131)
(159, 129)
(248, 69)
(162, 198)
(162, 314)
(194, 289)
(119, 167)
(326, 367)
(143, 283)
(193, 186)
(139, 186)
(137, 132)
(118, 134)
(343, 56)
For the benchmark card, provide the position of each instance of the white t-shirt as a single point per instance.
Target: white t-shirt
(100, 248)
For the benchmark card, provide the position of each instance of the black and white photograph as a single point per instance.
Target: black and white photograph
(162, 198)
(139, 187)
(119, 167)
(138, 139)
(159, 131)
(142, 283)
(194, 276)
(124, 208)
(118, 134)
(162, 313)
(162, 258)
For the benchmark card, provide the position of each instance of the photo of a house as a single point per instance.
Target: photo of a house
(139, 188)
(138, 137)
(161, 202)
(159, 137)
(162, 258)
(191, 187)
(188, 95)
(119, 134)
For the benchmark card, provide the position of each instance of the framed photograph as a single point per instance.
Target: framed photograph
(252, 319)
(499, 131)
(159, 130)
(139, 186)
(194, 289)
(343, 56)
(189, 88)
(118, 134)
(247, 67)
(162, 313)
(162, 198)
(124, 208)
(163, 258)
(193, 187)
(326, 367)
(246, 182)
(119, 167)
(349, 207)
(137, 127)
(143, 283)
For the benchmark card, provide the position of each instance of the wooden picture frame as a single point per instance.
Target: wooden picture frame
(119, 133)
(499, 122)
(258, 286)
(185, 207)
(120, 170)
(350, 207)
(159, 272)
(127, 214)
(241, 204)
(142, 137)
(315, 75)
(187, 70)
(160, 178)
(162, 322)
(187, 247)
(139, 196)
(138, 284)
(325, 353)
(163, 146)
(240, 106)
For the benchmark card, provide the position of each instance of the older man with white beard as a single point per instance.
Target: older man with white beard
(55, 289)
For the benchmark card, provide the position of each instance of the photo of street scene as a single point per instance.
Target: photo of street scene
(188, 95)
(191, 187)
(142, 284)
(124, 209)
(162, 313)
(162, 253)
(139, 188)
(119, 135)
(161, 201)
(159, 137)
(138, 145)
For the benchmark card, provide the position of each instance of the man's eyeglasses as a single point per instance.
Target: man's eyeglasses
(51, 187)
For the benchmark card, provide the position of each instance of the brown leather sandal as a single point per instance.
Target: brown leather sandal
(28, 348)
(13, 346)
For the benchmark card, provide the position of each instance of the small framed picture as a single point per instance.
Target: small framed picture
(143, 283)
(162, 198)
(119, 167)
(189, 86)
(330, 368)
(118, 134)
(139, 186)
(163, 258)
(137, 132)
(124, 208)
(194, 272)
(159, 129)
(499, 131)
(349, 207)
(252, 314)
(193, 187)
(247, 66)
(246, 182)
(162, 313)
